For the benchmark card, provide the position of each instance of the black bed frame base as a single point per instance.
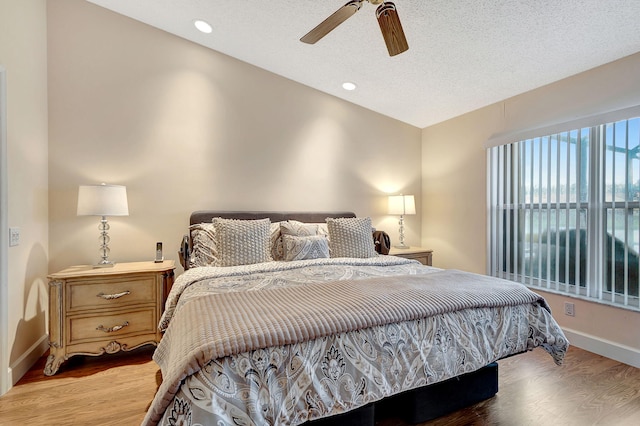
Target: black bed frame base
(423, 404)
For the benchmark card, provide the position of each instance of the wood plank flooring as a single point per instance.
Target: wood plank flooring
(117, 389)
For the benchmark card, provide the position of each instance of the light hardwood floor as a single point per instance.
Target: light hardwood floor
(116, 390)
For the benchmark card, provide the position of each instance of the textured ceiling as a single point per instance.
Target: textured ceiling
(463, 54)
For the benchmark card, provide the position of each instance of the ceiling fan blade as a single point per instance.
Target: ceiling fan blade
(329, 24)
(391, 28)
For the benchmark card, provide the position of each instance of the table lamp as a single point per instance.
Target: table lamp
(402, 205)
(103, 200)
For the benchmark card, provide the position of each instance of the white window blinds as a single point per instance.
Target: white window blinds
(564, 212)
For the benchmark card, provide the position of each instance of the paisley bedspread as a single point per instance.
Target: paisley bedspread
(299, 379)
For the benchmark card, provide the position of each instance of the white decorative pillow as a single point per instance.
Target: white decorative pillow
(241, 242)
(202, 243)
(289, 227)
(307, 247)
(299, 229)
(351, 237)
(277, 250)
(323, 230)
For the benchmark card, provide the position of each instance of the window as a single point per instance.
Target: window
(565, 212)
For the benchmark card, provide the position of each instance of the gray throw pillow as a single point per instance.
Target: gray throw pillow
(351, 237)
(242, 242)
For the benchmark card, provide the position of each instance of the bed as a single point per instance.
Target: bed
(287, 318)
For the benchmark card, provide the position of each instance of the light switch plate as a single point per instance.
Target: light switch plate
(14, 237)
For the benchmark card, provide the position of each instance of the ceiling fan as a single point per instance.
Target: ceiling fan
(387, 18)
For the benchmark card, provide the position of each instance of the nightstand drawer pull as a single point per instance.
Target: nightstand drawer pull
(114, 328)
(113, 296)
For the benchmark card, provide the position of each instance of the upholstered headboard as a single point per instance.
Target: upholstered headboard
(205, 216)
(202, 216)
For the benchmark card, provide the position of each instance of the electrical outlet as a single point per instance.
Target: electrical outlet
(14, 237)
(569, 309)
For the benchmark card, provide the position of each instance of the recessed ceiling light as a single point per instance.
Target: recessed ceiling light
(202, 26)
(349, 86)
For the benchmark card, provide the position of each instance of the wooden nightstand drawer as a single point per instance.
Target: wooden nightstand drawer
(111, 293)
(100, 327)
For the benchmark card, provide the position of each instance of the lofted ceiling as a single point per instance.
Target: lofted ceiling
(463, 54)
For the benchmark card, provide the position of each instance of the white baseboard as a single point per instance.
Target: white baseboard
(4, 384)
(27, 359)
(606, 348)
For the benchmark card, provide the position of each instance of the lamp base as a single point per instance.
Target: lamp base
(402, 246)
(104, 245)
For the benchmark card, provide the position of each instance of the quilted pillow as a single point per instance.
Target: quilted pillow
(241, 242)
(307, 247)
(202, 253)
(351, 237)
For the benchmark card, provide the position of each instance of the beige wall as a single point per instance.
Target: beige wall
(454, 181)
(23, 52)
(187, 128)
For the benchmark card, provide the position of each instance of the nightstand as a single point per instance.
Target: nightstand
(420, 254)
(93, 311)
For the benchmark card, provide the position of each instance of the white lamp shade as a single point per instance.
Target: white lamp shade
(102, 200)
(402, 204)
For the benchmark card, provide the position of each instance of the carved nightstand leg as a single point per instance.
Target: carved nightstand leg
(53, 364)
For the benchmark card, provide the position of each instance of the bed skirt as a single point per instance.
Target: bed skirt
(426, 403)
